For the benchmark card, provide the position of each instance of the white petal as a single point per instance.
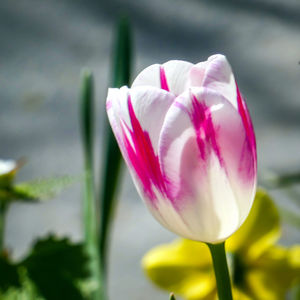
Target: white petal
(172, 76)
(148, 77)
(136, 117)
(217, 75)
(116, 107)
(202, 166)
(177, 74)
(150, 106)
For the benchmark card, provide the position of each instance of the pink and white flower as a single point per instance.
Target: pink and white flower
(186, 135)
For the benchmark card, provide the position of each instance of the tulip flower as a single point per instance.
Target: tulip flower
(260, 269)
(186, 135)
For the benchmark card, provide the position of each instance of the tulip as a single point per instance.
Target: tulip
(186, 135)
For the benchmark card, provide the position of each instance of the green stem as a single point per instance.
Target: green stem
(3, 208)
(221, 270)
(90, 208)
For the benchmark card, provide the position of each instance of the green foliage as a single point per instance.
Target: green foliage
(87, 116)
(6, 180)
(172, 297)
(26, 291)
(9, 276)
(296, 292)
(285, 180)
(90, 212)
(55, 266)
(87, 128)
(288, 184)
(112, 157)
(3, 208)
(40, 189)
(122, 54)
(52, 270)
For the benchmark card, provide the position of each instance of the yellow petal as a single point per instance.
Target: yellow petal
(240, 295)
(200, 288)
(260, 286)
(274, 273)
(260, 230)
(294, 256)
(183, 267)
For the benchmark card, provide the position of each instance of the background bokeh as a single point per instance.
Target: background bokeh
(45, 44)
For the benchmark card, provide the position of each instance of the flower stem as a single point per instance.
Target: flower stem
(90, 208)
(221, 270)
(2, 225)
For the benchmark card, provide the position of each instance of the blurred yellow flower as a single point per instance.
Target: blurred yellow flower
(259, 269)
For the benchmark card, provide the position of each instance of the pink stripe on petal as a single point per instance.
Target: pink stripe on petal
(205, 131)
(163, 79)
(143, 158)
(245, 115)
(108, 104)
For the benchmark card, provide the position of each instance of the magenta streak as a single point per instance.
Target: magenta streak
(108, 104)
(243, 110)
(142, 157)
(205, 131)
(163, 79)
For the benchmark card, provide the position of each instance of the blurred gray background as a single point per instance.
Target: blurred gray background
(45, 44)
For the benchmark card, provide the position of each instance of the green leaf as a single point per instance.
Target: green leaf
(6, 180)
(55, 266)
(112, 157)
(87, 116)
(3, 210)
(15, 294)
(296, 292)
(122, 54)
(285, 180)
(40, 189)
(90, 210)
(87, 128)
(9, 276)
(172, 296)
(26, 291)
(273, 180)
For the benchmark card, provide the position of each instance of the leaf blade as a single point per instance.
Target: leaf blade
(112, 157)
(40, 189)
